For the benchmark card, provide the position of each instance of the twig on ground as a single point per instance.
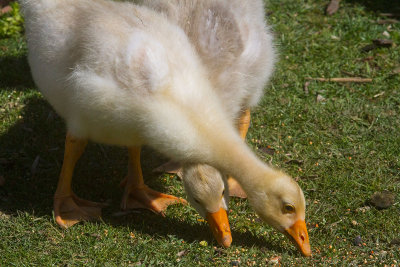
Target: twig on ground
(305, 88)
(389, 15)
(396, 71)
(342, 80)
(378, 95)
(387, 21)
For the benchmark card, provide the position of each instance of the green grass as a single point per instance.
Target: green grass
(347, 147)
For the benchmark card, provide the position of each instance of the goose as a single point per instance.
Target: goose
(235, 45)
(122, 74)
(68, 208)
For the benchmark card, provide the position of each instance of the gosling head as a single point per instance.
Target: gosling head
(280, 202)
(205, 189)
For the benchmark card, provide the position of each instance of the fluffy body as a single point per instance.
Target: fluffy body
(232, 41)
(85, 71)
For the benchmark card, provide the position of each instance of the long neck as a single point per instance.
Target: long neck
(234, 157)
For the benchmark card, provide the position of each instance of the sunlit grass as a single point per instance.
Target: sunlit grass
(341, 150)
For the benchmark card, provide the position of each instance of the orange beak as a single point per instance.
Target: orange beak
(219, 225)
(299, 235)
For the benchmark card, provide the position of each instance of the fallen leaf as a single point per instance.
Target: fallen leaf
(333, 7)
(382, 200)
(182, 253)
(383, 43)
(5, 10)
(357, 241)
(267, 150)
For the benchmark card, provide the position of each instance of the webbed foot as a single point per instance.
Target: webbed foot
(143, 197)
(69, 210)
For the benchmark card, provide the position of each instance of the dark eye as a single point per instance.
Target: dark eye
(223, 192)
(288, 208)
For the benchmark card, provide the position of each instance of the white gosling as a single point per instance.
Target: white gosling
(235, 45)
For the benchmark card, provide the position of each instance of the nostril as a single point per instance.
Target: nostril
(302, 237)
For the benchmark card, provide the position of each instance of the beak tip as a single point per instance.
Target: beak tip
(306, 252)
(298, 234)
(219, 224)
(226, 241)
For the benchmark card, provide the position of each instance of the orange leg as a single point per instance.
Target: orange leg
(137, 194)
(244, 123)
(235, 189)
(68, 208)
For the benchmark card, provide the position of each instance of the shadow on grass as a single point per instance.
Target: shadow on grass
(15, 73)
(31, 157)
(152, 224)
(383, 6)
(30, 161)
